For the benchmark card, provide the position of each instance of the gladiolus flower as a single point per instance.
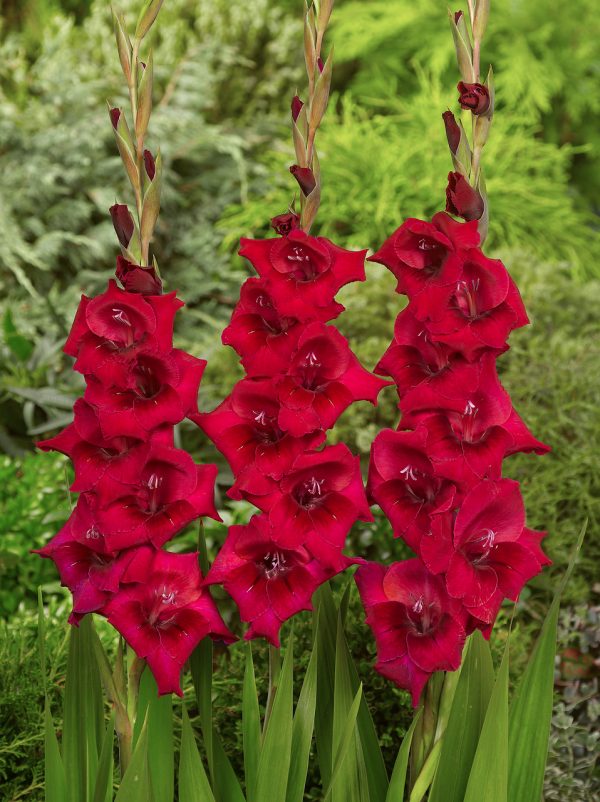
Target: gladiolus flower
(165, 617)
(483, 555)
(418, 627)
(136, 278)
(269, 583)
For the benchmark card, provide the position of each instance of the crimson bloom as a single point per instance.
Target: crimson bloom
(425, 258)
(323, 379)
(86, 563)
(259, 333)
(304, 272)
(322, 495)
(268, 583)
(420, 365)
(116, 321)
(173, 491)
(485, 306)
(484, 553)
(111, 465)
(166, 615)
(246, 429)
(418, 627)
(402, 480)
(134, 395)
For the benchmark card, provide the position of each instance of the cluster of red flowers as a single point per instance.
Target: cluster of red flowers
(136, 490)
(301, 376)
(438, 477)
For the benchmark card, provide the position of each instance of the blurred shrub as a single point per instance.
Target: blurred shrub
(34, 504)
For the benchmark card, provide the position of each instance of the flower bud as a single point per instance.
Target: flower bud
(457, 16)
(284, 223)
(462, 199)
(452, 131)
(136, 278)
(115, 116)
(320, 64)
(305, 178)
(149, 165)
(297, 105)
(474, 97)
(122, 222)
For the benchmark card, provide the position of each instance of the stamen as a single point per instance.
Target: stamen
(121, 317)
(409, 473)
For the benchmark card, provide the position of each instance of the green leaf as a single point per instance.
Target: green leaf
(348, 732)
(488, 780)
(55, 781)
(276, 752)
(326, 635)
(466, 719)
(159, 712)
(104, 777)
(83, 714)
(136, 785)
(250, 725)
(347, 786)
(226, 785)
(302, 732)
(398, 780)
(201, 669)
(147, 16)
(21, 347)
(193, 782)
(531, 708)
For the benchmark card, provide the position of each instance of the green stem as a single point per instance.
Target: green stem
(274, 671)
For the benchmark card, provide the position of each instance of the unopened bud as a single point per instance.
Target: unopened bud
(149, 165)
(297, 105)
(452, 131)
(122, 222)
(284, 223)
(305, 178)
(115, 116)
(462, 199)
(474, 97)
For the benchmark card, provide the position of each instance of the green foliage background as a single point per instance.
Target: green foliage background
(225, 73)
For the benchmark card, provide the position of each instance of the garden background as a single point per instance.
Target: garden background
(225, 71)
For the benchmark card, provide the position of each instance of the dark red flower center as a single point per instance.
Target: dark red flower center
(423, 615)
(466, 297)
(310, 492)
(266, 428)
(275, 563)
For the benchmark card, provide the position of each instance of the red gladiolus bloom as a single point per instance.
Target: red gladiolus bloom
(133, 396)
(402, 480)
(417, 363)
(474, 97)
(110, 466)
(165, 617)
(323, 494)
(268, 583)
(467, 437)
(484, 308)
(424, 258)
(418, 628)
(304, 272)
(483, 553)
(86, 563)
(323, 379)
(172, 492)
(263, 337)
(246, 429)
